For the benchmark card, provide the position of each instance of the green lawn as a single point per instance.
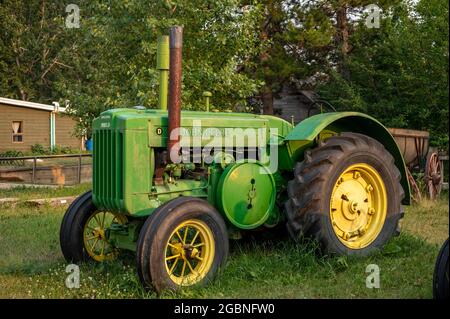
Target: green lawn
(31, 264)
(26, 192)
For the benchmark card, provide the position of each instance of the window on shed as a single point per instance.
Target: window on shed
(17, 131)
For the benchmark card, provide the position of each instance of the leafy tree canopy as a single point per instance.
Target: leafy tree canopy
(236, 49)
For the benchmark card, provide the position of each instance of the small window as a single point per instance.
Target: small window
(17, 131)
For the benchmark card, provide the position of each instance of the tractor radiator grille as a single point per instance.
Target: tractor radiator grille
(108, 169)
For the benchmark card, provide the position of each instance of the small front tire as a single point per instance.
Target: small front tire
(183, 243)
(83, 231)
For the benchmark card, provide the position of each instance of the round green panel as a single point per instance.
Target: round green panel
(246, 194)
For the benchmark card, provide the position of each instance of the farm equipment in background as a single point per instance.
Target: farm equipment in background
(422, 160)
(337, 177)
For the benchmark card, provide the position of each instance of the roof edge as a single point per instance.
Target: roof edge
(32, 105)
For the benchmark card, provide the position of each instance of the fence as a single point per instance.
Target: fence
(20, 161)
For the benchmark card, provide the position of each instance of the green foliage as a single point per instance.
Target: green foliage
(114, 54)
(59, 149)
(399, 72)
(109, 61)
(237, 49)
(32, 45)
(39, 149)
(12, 153)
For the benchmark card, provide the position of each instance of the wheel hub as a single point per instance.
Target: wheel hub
(186, 251)
(189, 253)
(436, 178)
(99, 233)
(358, 206)
(95, 235)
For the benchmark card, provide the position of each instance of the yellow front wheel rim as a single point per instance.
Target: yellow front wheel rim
(189, 252)
(94, 235)
(358, 206)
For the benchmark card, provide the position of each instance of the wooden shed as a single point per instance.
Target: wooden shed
(23, 124)
(294, 105)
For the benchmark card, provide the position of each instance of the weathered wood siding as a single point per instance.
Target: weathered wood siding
(64, 132)
(36, 127)
(291, 104)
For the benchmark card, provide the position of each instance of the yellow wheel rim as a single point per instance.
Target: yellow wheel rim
(358, 206)
(189, 252)
(94, 235)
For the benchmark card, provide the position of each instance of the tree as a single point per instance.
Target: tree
(399, 72)
(32, 43)
(219, 36)
(294, 38)
(344, 15)
(110, 60)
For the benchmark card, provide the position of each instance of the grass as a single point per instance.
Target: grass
(429, 220)
(31, 264)
(27, 192)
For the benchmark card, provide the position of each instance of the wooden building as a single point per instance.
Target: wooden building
(23, 124)
(295, 105)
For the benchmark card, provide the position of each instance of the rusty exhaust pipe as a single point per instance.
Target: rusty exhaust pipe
(174, 107)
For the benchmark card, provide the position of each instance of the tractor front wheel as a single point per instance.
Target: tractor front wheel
(183, 243)
(83, 233)
(346, 194)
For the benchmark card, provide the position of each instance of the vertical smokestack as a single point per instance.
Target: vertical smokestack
(176, 45)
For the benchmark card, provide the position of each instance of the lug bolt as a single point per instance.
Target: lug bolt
(369, 188)
(371, 211)
(356, 175)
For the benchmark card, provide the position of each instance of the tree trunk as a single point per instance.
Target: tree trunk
(343, 35)
(267, 99)
(266, 92)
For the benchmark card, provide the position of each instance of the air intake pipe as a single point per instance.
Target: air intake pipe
(162, 64)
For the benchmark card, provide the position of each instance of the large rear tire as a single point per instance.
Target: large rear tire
(346, 194)
(183, 243)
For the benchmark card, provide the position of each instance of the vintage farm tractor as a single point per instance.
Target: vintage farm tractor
(337, 177)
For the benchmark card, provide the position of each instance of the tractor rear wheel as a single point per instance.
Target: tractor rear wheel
(346, 194)
(183, 243)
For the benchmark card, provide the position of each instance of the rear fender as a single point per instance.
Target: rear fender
(307, 133)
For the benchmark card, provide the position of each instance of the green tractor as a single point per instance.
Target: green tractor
(173, 186)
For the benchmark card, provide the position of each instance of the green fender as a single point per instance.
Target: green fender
(306, 133)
